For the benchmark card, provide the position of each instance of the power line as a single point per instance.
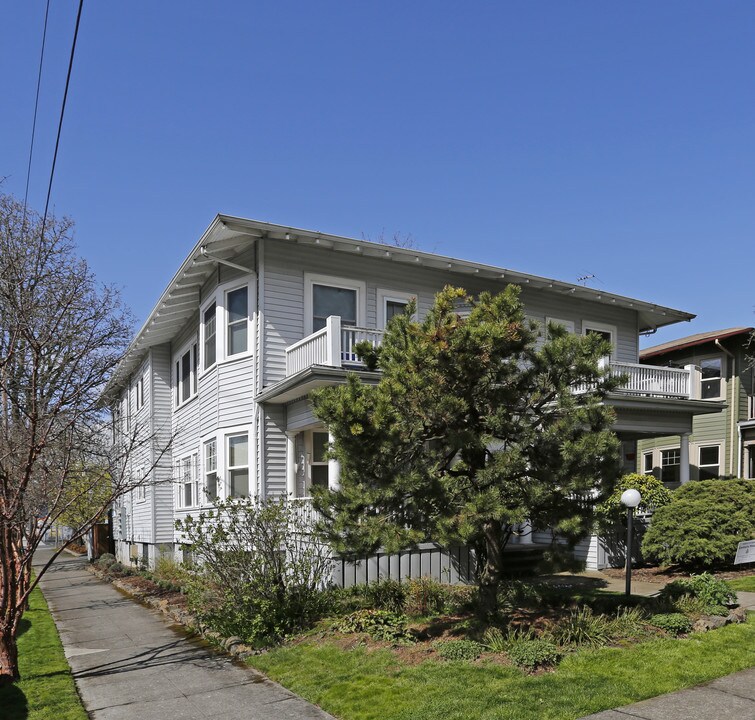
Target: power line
(36, 106)
(62, 113)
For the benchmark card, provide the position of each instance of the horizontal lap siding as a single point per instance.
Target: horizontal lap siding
(162, 398)
(235, 393)
(299, 415)
(141, 458)
(208, 401)
(286, 264)
(275, 450)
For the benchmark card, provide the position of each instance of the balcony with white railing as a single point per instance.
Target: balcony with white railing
(334, 344)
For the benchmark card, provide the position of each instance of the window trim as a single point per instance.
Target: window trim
(668, 448)
(227, 435)
(140, 392)
(219, 296)
(191, 347)
(386, 296)
(700, 466)
(588, 325)
(193, 459)
(645, 455)
(311, 279)
(722, 389)
(569, 325)
(141, 488)
(205, 499)
(309, 444)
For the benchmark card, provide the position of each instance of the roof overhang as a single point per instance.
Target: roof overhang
(316, 376)
(693, 341)
(227, 235)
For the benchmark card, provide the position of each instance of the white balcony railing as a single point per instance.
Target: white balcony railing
(334, 346)
(654, 380)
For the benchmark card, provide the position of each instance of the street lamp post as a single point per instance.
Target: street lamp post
(630, 499)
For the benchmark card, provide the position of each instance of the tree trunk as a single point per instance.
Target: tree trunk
(491, 550)
(8, 656)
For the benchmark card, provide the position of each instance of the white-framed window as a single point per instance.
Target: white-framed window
(225, 323)
(141, 488)
(237, 464)
(671, 460)
(185, 368)
(209, 335)
(607, 332)
(210, 470)
(711, 385)
(318, 466)
(647, 462)
(237, 321)
(567, 324)
(709, 463)
(186, 472)
(140, 392)
(390, 303)
(325, 296)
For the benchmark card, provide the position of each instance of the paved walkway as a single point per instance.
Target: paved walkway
(129, 664)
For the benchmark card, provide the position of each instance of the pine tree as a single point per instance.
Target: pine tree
(471, 431)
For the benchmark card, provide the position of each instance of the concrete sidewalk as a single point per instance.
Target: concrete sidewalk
(128, 664)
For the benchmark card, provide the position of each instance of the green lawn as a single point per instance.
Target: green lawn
(743, 584)
(361, 684)
(46, 690)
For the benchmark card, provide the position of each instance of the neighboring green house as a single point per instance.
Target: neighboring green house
(721, 444)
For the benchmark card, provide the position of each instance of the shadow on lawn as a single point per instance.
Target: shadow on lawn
(13, 703)
(23, 626)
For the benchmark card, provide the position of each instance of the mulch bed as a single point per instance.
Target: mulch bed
(666, 574)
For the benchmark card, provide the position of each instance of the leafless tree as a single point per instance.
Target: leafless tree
(61, 337)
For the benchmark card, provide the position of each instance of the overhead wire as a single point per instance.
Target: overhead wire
(36, 107)
(62, 113)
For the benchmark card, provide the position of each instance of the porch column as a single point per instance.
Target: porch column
(334, 469)
(290, 465)
(684, 458)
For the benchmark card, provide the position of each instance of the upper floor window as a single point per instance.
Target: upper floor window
(208, 334)
(140, 393)
(711, 368)
(186, 374)
(237, 306)
(327, 301)
(225, 328)
(325, 296)
(607, 332)
(141, 488)
(390, 304)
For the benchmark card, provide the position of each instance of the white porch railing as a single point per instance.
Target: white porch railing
(305, 516)
(333, 346)
(653, 380)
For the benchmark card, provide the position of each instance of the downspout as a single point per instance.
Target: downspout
(734, 409)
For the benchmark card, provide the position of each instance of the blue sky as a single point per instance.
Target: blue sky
(557, 138)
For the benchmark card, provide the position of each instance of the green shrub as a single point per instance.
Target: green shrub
(262, 595)
(532, 654)
(674, 623)
(105, 561)
(706, 588)
(116, 568)
(497, 641)
(425, 596)
(378, 624)
(583, 627)
(169, 574)
(458, 649)
(386, 595)
(702, 525)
